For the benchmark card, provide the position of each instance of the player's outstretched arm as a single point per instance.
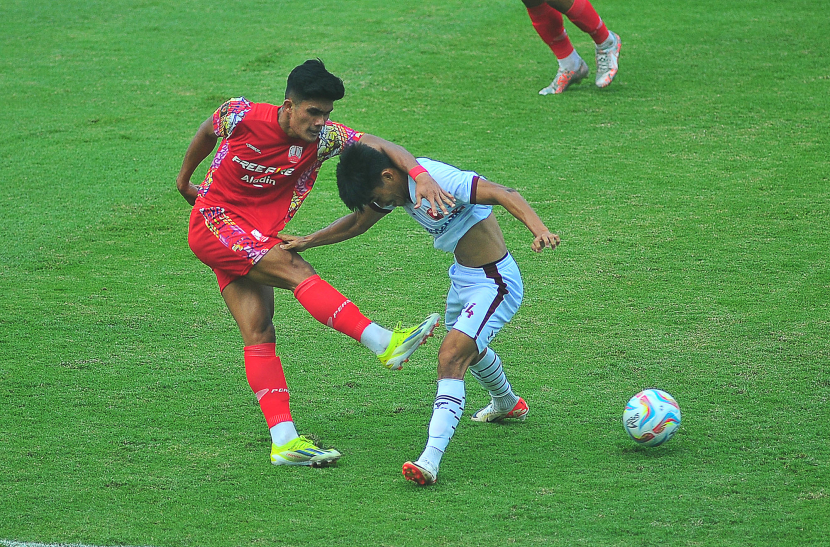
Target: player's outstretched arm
(202, 144)
(490, 193)
(341, 229)
(425, 186)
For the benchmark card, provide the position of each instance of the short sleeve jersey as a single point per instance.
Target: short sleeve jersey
(447, 230)
(261, 173)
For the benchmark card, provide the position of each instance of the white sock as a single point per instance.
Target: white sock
(283, 432)
(490, 374)
(376, 338)
(608, 42)
(446, 412)
(571, 62)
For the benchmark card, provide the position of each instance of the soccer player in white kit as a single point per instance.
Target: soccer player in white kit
(486, 285)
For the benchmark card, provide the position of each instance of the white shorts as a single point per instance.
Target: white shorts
(482, 300)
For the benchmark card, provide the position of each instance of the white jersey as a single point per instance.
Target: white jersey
(447, 230)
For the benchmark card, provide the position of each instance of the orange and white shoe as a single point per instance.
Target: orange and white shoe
(489, 414)
(564, 78)
(608, 61)
(421, 472)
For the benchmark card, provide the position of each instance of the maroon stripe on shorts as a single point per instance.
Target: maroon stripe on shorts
(492, 272)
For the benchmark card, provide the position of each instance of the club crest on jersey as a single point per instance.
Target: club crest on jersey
(295, 153)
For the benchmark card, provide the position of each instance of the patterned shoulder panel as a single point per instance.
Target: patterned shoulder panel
(334, 138)
(228, 116)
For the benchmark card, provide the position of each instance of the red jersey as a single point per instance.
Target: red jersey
(259, 172)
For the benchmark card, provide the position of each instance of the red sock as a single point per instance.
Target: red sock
(551, 29)
(265, 376)
(585, 17)
(331, 308)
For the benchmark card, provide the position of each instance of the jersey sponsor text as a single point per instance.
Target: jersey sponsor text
(257, 168)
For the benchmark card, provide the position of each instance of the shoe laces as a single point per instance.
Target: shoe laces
(604, 58)
(604, 62)
(306, 443)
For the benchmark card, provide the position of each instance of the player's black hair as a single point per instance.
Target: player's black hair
(311, 80)
(359, 173)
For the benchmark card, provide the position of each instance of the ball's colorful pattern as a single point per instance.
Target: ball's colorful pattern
(651, 417)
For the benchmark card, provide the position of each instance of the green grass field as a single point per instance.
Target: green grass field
(691, 197)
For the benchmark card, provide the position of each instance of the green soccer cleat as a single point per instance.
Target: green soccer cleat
(405, 341)
(489, 414)
(421, 472)
(301, 451)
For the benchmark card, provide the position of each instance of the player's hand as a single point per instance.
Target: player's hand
(545, 240)
(427, 189)
(293, 243)
(188, 190)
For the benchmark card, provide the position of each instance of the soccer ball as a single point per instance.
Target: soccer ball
(651, 417)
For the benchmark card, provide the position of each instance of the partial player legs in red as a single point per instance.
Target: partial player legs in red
(329, 307)
(551, 29)
(585, 17)
(548, 23)
(252, 306)
(267, 379)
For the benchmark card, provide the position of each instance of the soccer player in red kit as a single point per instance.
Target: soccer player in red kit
(265, 167)
(546, 16)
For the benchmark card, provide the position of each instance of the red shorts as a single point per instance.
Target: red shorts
(226, 242)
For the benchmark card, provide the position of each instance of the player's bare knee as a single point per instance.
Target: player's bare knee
(300, 271)
(295, 269)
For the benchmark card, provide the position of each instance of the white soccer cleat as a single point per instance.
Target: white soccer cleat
(608, 61)
(421, 472)
(564, 78)
(489, 414)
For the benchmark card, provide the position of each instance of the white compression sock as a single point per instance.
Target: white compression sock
(283, 432)
(608, 42)
(490, 374)
(376, 338)
(571, 62)
(446, 412)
